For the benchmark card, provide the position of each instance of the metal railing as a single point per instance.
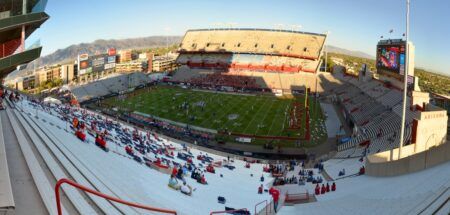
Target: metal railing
(265, 208)
(86, 189)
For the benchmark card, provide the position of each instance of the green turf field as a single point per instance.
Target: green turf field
(262, 115)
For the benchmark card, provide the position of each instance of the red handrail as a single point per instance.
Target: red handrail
(256, 212)
(230, 211)
(79, 186)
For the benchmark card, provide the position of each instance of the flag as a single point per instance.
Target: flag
(392, 30)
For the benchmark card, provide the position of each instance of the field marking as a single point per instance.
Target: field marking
(273, 120)
(265, 116)
(226, 112)
(259, 109)
(243, 107)
(216, 97)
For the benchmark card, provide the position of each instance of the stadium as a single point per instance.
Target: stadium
(251, 121)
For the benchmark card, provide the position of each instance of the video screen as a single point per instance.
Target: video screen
(390, 57)
(84, 64)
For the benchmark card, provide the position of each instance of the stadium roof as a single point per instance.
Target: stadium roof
(256, 29)
(10, 28)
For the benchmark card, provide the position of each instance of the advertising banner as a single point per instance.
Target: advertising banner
(112, 52)
(111, 59)
(83, 57)
(110, 65)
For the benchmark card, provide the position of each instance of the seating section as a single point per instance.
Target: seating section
(216, 79)
(254, 62)
(108, 85)
(263, 80)
(261, 41)
(258, 53)
(374, 109)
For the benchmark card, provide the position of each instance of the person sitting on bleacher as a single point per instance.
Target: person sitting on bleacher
(180, 173)
(174, 171)
(194, 174)
(186, 189)
(173, 183)
(210, 169)
(362, 170)
(129, 150)
(260, 189)
(202, 179)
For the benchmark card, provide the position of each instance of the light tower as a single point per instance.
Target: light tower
(405, 82)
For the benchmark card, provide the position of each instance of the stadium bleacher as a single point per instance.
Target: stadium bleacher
(109, 85)
(276, 57)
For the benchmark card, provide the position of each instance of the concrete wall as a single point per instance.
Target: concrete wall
(431, 129)
(388, 164)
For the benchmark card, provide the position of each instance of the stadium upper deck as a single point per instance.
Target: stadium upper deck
(255, 41)
(259, 51)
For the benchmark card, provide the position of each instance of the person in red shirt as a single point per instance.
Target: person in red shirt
(333, 187)
(260, 189)
(174, 171)
(129, 150)
(323, 189)
(317, 190)
(158, 161)
(328, 188)
(362, 170)
(275, 195)
(203, 180)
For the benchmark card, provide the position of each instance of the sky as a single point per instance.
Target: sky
(352, 24)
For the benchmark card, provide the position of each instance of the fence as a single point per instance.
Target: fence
(81, 187)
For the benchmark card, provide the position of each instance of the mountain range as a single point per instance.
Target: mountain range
(338, 50)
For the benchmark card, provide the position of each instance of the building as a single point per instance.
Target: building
(48, 74)
(68, 72)
(24, 83)
(125, 56)
(163, 64)
(131, 66)
(18, 20)
(147, 57)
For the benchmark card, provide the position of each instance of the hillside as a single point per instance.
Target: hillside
(337, 50)
(100, 46)
(69, 54)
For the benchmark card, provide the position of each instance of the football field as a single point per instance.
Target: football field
(262, 115)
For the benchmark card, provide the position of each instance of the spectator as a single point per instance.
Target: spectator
(174, 171)
(260, 189)
(275, 195)
(173, 183)
(186, 189)
(362, 170)
(317, 190)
